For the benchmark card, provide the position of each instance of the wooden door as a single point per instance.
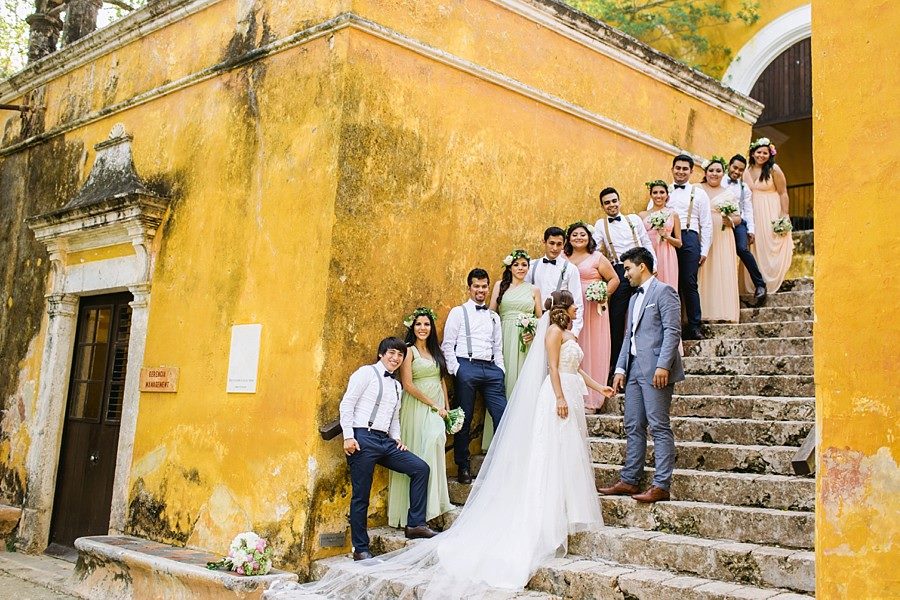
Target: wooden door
(87, 459)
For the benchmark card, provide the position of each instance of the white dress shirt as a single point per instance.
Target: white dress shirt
(359, 401)
(621, 236)
(743, 194)
(701, 217)
(486, 337)
(546, 276)
(635, 316)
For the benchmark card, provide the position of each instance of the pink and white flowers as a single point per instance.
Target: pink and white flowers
(248, 554)
(597, 292)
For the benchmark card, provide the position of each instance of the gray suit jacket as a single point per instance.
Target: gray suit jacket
(657, 335)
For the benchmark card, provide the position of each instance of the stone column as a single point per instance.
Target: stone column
(47, 427)
(140, 313)
(81, 19)
(43, 35)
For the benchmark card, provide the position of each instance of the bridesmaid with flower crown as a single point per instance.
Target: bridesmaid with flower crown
(422, 410)
(773, 250)
(664, 230)
(581, 249)
(512, 297)
(718, 279)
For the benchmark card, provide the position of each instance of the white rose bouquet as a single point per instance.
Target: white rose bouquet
(727, 208)
(453, 422)
(782, 226)
(248, 554)
(526, 324)
(597, 292)
(658, 219)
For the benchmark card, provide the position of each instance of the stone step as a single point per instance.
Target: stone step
(799, 298)
(801, 284)
(703, 456)
(766, 526)
(746, 331)
(732, 407)
(747, 385)
(734, 489)
(714, 430)
(723, 560)
(787, 346)
(773, 314)
(623, 548)
(578, 578)
(749, 365)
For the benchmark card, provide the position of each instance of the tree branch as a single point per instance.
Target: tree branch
(120, 3)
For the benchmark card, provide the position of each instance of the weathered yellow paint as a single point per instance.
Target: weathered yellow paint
(856, 329)
(95, 254)
(321, 191)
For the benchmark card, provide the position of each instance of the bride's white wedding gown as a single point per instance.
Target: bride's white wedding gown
(536, 486)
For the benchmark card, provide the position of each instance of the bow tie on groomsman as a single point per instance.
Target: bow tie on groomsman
(480, 307)
(551, 261)
(389, 374)
(614, 219)
(680, 186)
(732, 181)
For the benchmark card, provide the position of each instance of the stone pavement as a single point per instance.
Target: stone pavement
(29, 577)
(13, 587)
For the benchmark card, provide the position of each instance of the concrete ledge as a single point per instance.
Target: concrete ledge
(9, 519)
(123, 567)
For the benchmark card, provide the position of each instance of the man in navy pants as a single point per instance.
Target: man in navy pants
(370, 421)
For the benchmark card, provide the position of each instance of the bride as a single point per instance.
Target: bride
(536, 487)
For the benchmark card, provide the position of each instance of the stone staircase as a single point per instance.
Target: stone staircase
(740, 524)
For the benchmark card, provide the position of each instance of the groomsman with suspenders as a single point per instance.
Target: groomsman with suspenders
(619, 233)
(693, 208)
(554, 272)
(744, 232)
(473, 348)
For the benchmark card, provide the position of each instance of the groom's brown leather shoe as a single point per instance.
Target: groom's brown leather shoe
(653, 494)
(364, 555)
(620, 489)
(422, 531)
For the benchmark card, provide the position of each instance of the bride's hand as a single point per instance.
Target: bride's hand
(562, 408)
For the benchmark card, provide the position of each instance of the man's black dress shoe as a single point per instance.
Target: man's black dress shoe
(760, 296)
(365, 555)
(693, 334)
(464, 477)
(420, 532)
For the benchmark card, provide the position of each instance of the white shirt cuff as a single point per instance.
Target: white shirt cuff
(620, 371)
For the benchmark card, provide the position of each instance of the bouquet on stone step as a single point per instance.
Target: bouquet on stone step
(782, 226)
(248, 554)
(527, 324)
(726, 209)
(658, 219)
(454, 420)
(597, 292)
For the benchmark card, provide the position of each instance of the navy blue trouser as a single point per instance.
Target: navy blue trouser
(742, 243)
(378, 448)
(618, 314)
(476, 376)
(688, 265)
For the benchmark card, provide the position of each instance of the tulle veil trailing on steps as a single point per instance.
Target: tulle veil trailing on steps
(514, 520)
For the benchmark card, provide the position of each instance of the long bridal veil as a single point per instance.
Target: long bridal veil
(508, 527)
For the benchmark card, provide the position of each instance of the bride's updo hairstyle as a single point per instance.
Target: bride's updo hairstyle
(558, 304)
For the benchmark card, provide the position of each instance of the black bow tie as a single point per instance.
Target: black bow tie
(614, 219)
(680, 186)
(552, 261)
(480, 307)
(731, 181)
(639, 290)
(389, 374)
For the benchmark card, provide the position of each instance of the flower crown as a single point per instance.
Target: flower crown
(514, 256)
(763, 141)
(588, 226)
(422, 311)
(656, 182)
(714, 159)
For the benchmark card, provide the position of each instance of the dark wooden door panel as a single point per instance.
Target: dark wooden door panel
(87, 460)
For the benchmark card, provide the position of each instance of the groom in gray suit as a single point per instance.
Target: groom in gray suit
(648, 368)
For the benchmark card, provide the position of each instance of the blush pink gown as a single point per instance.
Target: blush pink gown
(666, 259)
(594, 336)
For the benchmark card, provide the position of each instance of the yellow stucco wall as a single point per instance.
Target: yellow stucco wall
(308, 186)
(855, 150)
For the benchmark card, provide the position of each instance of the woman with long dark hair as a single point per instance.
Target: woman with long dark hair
(773, 251)
(664, 230)
(581, 249)
(512, 297)
(718, 279)
(422, 409)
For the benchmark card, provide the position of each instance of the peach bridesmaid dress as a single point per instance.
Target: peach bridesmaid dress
(718, 276)
(773, 252)
(666, 258)
(594, 337)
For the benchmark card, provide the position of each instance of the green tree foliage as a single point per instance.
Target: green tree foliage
(680, 27)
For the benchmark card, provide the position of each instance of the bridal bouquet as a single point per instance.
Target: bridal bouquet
(526, 324)
(782, 226)
(658, 220)
(249, 554)
(454, 420)
(727, 208)
(597, 292)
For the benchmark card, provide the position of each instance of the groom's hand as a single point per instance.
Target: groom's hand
(660, 378)
(619, 382)
(400, 445)
(350, 446)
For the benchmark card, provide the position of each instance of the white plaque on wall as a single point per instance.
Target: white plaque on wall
(243, 359)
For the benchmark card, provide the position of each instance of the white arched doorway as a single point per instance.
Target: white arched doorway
(766, 46)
